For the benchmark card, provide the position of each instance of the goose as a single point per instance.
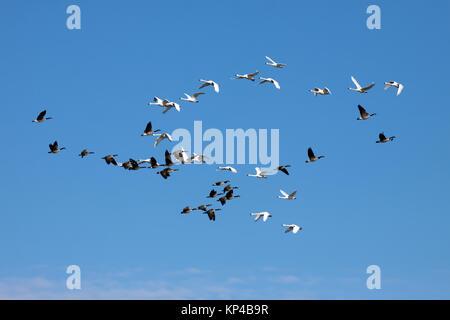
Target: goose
(325, 91)
(166, 172)
(219, 183)
(228, 196)
(312, 157)
(54, 147)
(212, 214)
(40, 117)
(168, 159)
(171, 105)
(383, 138)
(364, 114)
(227, 168)
(259, 173)
(84, 153)
(275, 83)
(198, 158)
(187, 210)
(126, 165)
(292, 227)
(397, 85)
(203, 207)
(283, 169)
(258, 215)
(210, 83)
(229, 188)
(288, 196)
(192, 98)
(212, 194)
(110, 159)
(181, 156)
(135, 165)
(158, 102)
(359, 88)
(274, 64)
(148, 130)
(248, 76)
(153, 163)
(161, 137)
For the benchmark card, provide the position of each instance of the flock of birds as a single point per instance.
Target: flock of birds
(182, 157)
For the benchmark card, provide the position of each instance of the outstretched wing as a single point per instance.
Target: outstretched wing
(195, 95)
(293, 193)
(356, 83)
(400, 89)
(382, 137)
(369, 87)
(270, 60)
(362, 111)
(310, 153)
(284, 193)
(41, 115)
(148, 128)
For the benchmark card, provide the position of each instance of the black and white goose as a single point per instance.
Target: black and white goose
(212, 214)
(283, 169)
(384, 139)
(40, 117)
(363, 113)
(187, 210)
(166, 172)
(84, 153)
(312, 157)
(54, 147)
(149, 131)
(152, 161)
(212, 194)
(110, 159)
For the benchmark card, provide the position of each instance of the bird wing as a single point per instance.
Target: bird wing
(277, 85)
(295, 229)
(362, 111)
(289, 229)
(284, 170)
(258, 215)
(310, 153)
(233, 170)
(41, 115)
(204, 85)
(168, 136)
(266, 216)
(270, 60)
(400, 89)
(356, 83)
(167, 108)
(369, 87)
(387, 85)
(195, 95)
(168, 158)
(382, 137)
(148, 128)
(160, 138)
(293, 193)
(284, 193)
(216, 87)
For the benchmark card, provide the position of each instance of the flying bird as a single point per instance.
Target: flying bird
(283, 169)
(212, 214)
(159, 102)
(181, 156)
(40, 117)
(264, 80)
(171, 105)
(187, 210)
(166, 172)
(228, 168)
(161, 137)
(258, 215)
(149, 131)
(312, 157)
(219, 183)
(397, 85)
(364, 114)
(192, 98)
(203, 207)
(274, 64)
(212, 194)
(248, 76)
(359, 88)
(210, 83)
(198, 158)
(54, 147)
(288, 196)
(229, 188)
(110, 159)
(259, 173)
(84, 153)
(168, 159)
(153, 163)
(292, 227)
(323, 92)
(135, 165)
(383, 138)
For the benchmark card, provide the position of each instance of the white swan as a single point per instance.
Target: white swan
(274, 64)
(397, 85)
(210, 83)
(288, 196)
(292, 227)
(228, 168)
(323, 92)
(259, 173)
(258, 215)
(192, 98)
(359, 88)
(161, 137)
(275, 83)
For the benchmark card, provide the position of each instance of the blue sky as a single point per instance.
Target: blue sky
(364, 204)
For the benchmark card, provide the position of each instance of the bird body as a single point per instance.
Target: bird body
(288, 196)
(274, 64)
(84, 153)
(110, 159)
(228, 168)
(54, 147)
(212, 214)
(192, 98)
(259, 173)
(41, 117)
(312, 157)
(248, 76)
(397, 85)
(325, 91)
(149, 131)
(384, 139)
(292, 227)
(165, 173)
(273, 81)
(363, 113)
(359, 88)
